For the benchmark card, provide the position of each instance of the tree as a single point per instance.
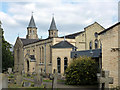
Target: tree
(7, 57)
(82, 71)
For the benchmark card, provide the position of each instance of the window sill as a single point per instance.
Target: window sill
(41, 63)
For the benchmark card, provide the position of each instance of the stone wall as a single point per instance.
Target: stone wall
(90, 35)
(110, 56)
(80, 41)
(18, 59)
(61, 53)
(34, 49)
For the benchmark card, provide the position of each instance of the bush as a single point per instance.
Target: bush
(82, 71)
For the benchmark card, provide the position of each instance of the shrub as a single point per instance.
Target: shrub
(82, 71)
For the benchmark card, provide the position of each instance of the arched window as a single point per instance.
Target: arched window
(27, 66)
(96, 44)
(59, 65)
(90, 45)
(65, 63)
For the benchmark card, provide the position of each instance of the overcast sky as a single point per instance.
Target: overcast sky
(70, 15)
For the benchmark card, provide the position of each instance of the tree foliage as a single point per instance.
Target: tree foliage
(82, 71)
(7, 56)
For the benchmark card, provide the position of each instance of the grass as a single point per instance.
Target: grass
(47, 80)
(61, 80)
(20, 86)
(13, 86)
(27, 81)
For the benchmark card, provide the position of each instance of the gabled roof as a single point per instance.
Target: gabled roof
(28, 41)
(89, 53)
(32, 23)
(53, 25)
(63, 44)
(93, 24)
(109, 28)
(72, 36)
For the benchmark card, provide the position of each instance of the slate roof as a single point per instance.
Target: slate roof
(32, 23)
(72, 36)
(63, 44)
(53, 25)
(28, 41)
(109, 28)
(95, 53)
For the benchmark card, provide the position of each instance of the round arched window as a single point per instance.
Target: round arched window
(96, 44)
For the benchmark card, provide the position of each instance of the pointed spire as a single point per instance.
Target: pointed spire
(32, 22)
(53, 25)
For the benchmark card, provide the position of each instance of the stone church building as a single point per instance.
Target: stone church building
(32, 54)
(110, 39)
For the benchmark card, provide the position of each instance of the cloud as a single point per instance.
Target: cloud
(70, 16)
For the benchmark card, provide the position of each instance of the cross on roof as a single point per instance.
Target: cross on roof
(105, 79)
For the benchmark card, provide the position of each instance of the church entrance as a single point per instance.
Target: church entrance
(27, 66)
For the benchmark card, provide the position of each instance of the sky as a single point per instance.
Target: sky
(71, 16)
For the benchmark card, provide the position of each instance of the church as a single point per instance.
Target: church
(32, 54)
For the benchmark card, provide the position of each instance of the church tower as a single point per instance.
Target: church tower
(53, 32)
(32, 30)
